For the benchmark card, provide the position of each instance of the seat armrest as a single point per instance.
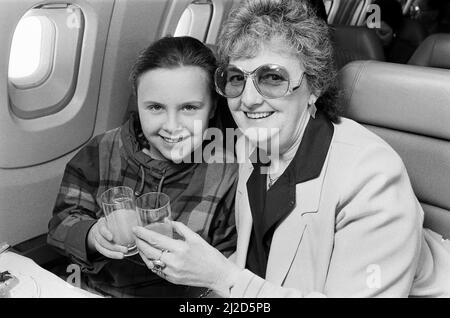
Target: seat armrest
(40, 252)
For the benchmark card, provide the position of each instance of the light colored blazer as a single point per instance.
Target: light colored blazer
(356, 230)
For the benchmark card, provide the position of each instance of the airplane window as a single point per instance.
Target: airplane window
(44, 60)
(359, 14)
(405, 5)
(31, 51)
(332, 7)
(184, 23)
(328, 4)
(195, 20)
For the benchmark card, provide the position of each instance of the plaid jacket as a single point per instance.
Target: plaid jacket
(202, 197)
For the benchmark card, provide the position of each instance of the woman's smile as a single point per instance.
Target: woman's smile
(283, 114)
(258, 115)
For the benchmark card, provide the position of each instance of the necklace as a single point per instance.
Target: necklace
(271, 181)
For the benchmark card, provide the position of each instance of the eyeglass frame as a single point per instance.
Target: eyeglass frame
(289, 89)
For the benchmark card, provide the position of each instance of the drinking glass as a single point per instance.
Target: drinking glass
(120, 211)
(154, 212)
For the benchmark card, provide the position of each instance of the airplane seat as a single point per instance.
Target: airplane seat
(410, 35)
(43, 254)
(355, 43)
(408, 106)
(433, 52)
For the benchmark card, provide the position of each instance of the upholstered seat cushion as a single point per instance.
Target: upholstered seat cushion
(409, 107)
(433, 52)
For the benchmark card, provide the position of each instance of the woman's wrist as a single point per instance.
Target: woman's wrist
(226, 279)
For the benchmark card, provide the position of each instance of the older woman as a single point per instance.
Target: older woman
(333, 212)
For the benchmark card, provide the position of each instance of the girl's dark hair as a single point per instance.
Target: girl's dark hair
(171, 52)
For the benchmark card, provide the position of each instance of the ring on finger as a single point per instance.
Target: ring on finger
(159, 264)
(158, 272)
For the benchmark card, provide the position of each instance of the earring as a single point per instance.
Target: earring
(312, 110)
(312, 106)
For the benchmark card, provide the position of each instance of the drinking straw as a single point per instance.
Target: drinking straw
(159, 189)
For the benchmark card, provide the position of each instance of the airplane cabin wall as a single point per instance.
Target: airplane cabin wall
(34, 151)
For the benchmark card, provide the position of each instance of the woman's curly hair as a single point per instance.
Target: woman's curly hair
(290, 26)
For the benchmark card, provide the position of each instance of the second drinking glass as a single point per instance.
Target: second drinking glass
(154, 212)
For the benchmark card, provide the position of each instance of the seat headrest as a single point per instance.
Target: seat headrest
(396, 96)
(433, 52)
(355, 43)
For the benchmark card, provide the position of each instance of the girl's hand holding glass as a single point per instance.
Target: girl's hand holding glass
(101, 239)
(114, 237)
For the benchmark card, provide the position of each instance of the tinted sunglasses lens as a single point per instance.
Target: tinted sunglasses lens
(230, 81)
(273, 81)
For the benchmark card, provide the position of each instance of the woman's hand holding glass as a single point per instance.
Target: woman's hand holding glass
(189, 261)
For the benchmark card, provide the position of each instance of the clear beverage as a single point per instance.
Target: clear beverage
(120, 224)
(164, 228)
(155, 213)
(120, 211)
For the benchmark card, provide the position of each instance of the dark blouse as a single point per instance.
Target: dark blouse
(270, 207)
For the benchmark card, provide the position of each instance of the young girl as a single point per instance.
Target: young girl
(173, 83)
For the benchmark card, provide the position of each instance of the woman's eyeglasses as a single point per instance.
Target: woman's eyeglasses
(270, 80)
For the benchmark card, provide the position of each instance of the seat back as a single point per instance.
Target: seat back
(353, 43)
(410, 35)
(409, 107)
(433, 52)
